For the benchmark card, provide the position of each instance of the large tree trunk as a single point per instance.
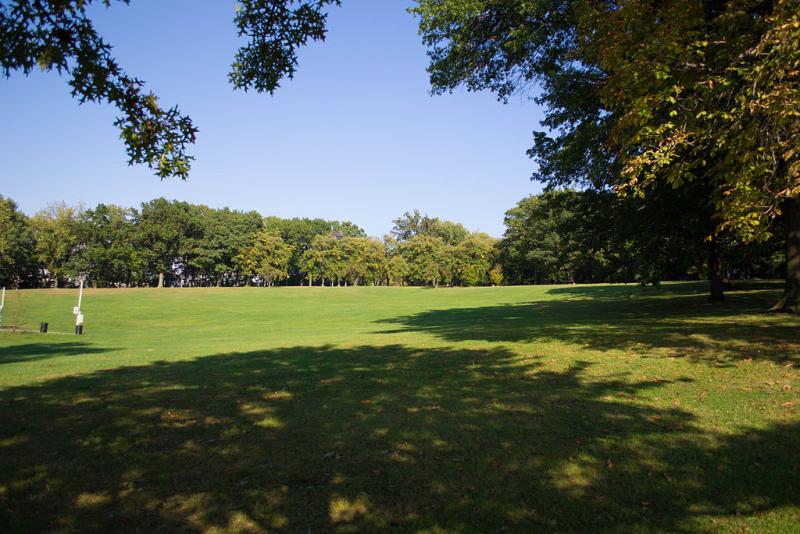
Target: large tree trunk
(160, 280)
(790, 302)
(715, 271)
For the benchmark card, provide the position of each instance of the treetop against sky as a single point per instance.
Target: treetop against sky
(355, 134)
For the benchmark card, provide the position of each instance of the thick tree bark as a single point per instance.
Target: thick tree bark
(160, 280)
(790, 302)
(715, 271)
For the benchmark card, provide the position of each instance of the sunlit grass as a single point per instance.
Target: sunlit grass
(449, 410)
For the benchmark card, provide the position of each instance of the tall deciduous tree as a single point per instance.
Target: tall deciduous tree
(363, 260)
(267, 259)
(218, 236)
(56, 232)
(301, 232)
(475, 257)
(106, 253)
(638, 92)
(17, 246)
(425, 256)
(397, 269)
(162, 231)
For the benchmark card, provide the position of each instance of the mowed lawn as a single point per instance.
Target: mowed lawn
(558, 408)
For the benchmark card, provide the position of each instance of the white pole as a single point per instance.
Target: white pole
(2, 303)
(78, 313)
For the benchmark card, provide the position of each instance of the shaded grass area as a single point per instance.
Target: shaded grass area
(508, 409)
(374, 437)
(42, 351)
(614, 318)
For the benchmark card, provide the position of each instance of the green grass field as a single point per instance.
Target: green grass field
(571, 408)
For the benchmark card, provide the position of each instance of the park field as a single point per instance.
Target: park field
(507, 409)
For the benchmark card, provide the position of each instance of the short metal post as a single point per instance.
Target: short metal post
(78, 313)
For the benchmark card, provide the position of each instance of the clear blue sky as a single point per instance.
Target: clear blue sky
(356, 135)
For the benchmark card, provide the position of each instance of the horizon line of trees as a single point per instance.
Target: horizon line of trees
(559, 236)
(173, 243)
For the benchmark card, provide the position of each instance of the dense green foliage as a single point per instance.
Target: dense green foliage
(17, 244)
(507, 409)
(180, 244)
(596, 236)
(639, 96)
(266, 260)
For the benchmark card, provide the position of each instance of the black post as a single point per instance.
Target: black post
(42, 328)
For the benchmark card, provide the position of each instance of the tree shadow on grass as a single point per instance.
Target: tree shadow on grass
(668, 289)
(42, 351)
(682, 321)
(373, 438)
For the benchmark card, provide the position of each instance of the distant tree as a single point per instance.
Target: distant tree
(17, 247)
(59, 36)
(363, 260)
(397, 269)
(162, 231)
(496, 275)
(346, 229)
(595, 236)
(474, 257)
(311, 264)
(425, 256)
(106, 253)
(410, 225)
(56, 233)
(413, 224)
(537, 247)
(324, 259)
(267, 259)
(301, 232)
(452, 233)
(209, 252)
